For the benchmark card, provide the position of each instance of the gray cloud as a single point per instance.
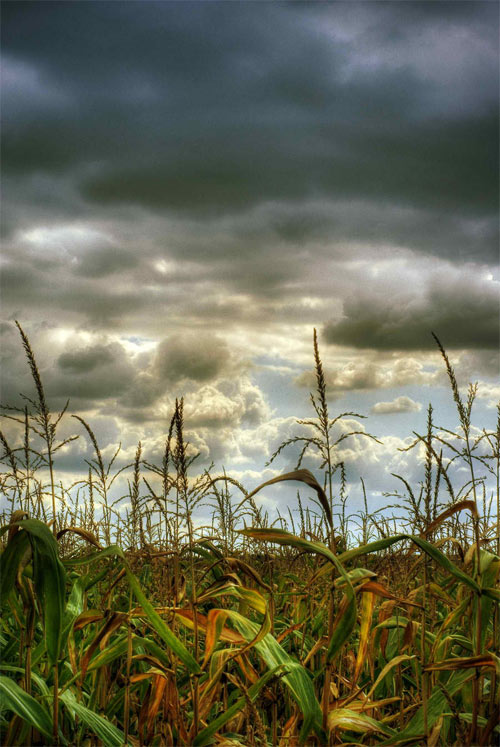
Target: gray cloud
(84, 361)
(105, 261)
(461, 309)
(94, 373)
(200, 357)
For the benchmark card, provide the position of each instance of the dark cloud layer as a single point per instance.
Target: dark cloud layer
(216, 107)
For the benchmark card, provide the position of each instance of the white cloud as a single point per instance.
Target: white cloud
(399, 404)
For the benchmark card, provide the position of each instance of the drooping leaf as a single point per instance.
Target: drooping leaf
(346, 719)
(464, 662)
(107, 732)
(205, 736)
(457, 507)
(80, 532)
(427, 547)
(25, 706)
(343, 627)
(49, 579)
(297, 679)
(301, 475)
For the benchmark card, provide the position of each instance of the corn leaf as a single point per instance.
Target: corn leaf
(10, 563)
(367, 603)
(301, 475)
(204, 737)
(297, 678)
(107, 732)
(346, 719)
(50, 581)
(161, 628)
(436, 706)
(344, 626)
(427, 547)
(159, 625)
(25, 706)
(390, 665)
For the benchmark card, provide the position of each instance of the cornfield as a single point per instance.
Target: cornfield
(126, 623)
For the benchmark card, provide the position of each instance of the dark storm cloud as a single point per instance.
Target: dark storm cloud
(93, 373)
(212, 108)
(462, 311)
(86, 360)
(451, 163)
(199, 357)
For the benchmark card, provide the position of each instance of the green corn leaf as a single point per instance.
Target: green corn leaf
(481, 720)
(297, 678)
(345, 625)
(427, 547)
(113, 551)
(204, 737)
(10, 563)
(489, 575)
(492, 593)
(390, 665)
(119, 649)
(35, 678)
(154, 618)
(161, 628)
(250, 596)
(74, 606)
(110, 653)
(107, 732)
(49, 579)
(25, 706)
(436, 706)
(347, 720)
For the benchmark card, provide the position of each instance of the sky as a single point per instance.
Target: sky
(190, 188)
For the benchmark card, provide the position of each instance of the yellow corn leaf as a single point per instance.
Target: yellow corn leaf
(346, 719)
(367, 602)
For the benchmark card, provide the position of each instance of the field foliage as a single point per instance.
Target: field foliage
(124, 622)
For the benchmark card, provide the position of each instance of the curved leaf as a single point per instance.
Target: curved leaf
(348, 720)
(49, 579)
(107, 732)
(25, 706)
(301, 475)
(427, 547)
(297, 678)
(344, 625)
